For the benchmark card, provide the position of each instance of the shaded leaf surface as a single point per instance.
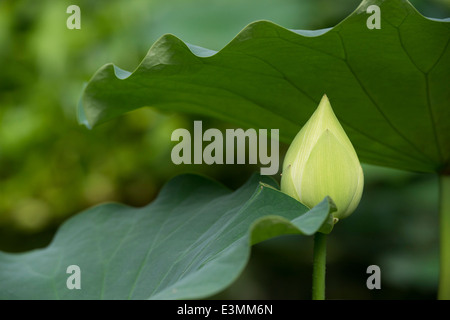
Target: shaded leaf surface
(192, 241)
(388, 87)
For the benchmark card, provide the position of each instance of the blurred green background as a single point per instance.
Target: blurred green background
(52, 168)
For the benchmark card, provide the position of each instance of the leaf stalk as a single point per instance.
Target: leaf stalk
(444, 226)
(319, 265)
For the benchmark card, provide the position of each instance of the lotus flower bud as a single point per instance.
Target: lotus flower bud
(321, 161)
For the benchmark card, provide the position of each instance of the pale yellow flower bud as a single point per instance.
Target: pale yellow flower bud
(321, 161)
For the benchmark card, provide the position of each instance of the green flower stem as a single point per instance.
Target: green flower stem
(319, 262)
(444, 208)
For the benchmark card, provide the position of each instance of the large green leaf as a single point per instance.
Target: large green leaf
(191, 242)
(389, 87)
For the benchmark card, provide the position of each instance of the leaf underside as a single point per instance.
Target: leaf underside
(191, 242)
(389, 87)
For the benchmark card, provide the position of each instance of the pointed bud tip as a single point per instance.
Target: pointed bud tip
(325, 104)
